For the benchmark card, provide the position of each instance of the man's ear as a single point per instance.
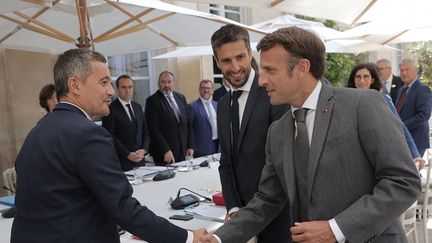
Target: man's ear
(217, 61)
(303, 67)
(74, 85)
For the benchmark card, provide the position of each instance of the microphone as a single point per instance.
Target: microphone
(206, 198)
(164, 174)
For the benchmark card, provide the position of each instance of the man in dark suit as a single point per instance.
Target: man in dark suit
(414, 104)
(221, 91)
(333, 158)
(127, 125)
(242, 128)
(391, 83)
(70, 184)
(202, 116)
(166, 113)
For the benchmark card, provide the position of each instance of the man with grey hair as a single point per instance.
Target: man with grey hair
(390, 82)
(331, 158)
(70, 184)
(414, 103)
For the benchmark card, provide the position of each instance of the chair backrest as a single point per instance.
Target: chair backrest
(9, 180)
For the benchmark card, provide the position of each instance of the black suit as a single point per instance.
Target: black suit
(396, 84)
(240, 178)
(71, 187)
(219, 93)
(166, 133)
(129, 136)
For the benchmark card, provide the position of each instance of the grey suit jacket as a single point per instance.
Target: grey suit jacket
(357, 173)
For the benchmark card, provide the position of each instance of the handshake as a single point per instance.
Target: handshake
(202, 236)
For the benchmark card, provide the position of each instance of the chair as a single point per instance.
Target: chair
(409, 221)
(424, 203)
(9, 180)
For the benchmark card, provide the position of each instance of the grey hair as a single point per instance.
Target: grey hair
(384, 61)
(74, 63)
(410, 61)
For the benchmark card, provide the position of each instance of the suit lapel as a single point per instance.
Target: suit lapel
(323, 114)
(250, 104)
(203, 111)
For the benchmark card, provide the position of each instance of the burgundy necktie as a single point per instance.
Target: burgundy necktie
(401, 99)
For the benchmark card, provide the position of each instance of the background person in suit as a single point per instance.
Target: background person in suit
(171, 136)
(391, 83)
(127, 125)
(338, 168)
(414, 104)
(242, 159)
(365, 76)
(71, 187)
(202, 116)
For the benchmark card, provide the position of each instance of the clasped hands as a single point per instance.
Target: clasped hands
(311, 231)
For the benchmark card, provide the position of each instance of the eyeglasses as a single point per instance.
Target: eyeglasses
(365, 77)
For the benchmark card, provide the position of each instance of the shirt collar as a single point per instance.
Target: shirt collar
(312, 101)
(72, 104)
(124, 103)
(247, 86)
(205, 101)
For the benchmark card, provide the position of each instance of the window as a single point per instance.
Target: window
(136, 65)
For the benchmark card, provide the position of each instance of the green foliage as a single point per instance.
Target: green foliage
(338, 67)
(423, 52)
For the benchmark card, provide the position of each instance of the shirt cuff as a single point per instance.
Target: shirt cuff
(340, 237)
(233, 210)
(217, 238)
(190, 237)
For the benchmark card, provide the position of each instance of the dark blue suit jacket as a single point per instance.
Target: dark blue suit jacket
(240, 178)
(202, 131)
(71, 187)
(128, 136)
(415, 113)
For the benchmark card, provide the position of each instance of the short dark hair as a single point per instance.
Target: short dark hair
(74, 63)
(121, 77)
(205, 81)
(300, 44)
(373, 70)
(45, 94)
(165, 72)
(229, 33)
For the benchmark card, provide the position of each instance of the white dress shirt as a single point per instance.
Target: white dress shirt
(124, 103)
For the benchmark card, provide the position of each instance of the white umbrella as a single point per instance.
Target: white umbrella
(347, 11)
(111, 27)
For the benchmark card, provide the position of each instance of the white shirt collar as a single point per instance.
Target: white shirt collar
(72, 104)
(312, 101)
(205, 101)
(247, 86)
(124, 103)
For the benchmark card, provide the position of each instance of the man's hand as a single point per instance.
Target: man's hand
(198, 234)
(190, 152)
(208, 238)
(419, 163)
(134, 157)
(141, 152)
(169, 157)
(312, 231)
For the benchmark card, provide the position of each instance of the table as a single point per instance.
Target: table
(156, 194)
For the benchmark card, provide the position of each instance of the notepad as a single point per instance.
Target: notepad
(8, 200)
(207, 212)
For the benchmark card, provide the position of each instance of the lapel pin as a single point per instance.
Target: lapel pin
(324, 109)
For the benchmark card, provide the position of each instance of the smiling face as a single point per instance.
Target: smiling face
(234, 59)
(363, 79)
(94, 94)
